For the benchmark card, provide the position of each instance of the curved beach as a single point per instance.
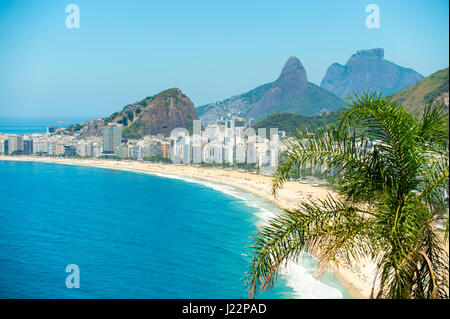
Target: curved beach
(356, 277)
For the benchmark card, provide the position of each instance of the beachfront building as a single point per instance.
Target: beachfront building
(90, 147)
(69, 150)
(239, 153)
(15, 144)
(51, 148)
(180, 149)
(145, 148)
(228, 142)
(27, 146)
(39, 146)
(60, 149)
(165, 148)
(133, 151)
(97, 148)
(83, 149)
(228, 150)
(251, 153)
(112, 137)
(4, 146)
(122, 151)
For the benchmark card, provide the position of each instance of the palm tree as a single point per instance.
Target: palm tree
(393, 176)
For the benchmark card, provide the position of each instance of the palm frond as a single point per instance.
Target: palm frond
(331, 229)
(391, 162)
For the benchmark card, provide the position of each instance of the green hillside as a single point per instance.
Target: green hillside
(430, 89)
(245, 99)
(290, 123)
(312, 102)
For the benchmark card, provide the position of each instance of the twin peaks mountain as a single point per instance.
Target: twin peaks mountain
(291, 92)
(366, 70)
(291, 82)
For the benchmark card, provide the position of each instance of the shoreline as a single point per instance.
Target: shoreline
(288, 197)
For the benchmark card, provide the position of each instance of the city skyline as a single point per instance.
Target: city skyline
(229, 142)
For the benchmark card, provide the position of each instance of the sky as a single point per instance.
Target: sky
(124, 51)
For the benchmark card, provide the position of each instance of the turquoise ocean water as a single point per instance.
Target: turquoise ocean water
(33, 125)
(133, 235)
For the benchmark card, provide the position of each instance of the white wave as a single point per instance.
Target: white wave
(305, 286)
(229, 190)
(298, 275)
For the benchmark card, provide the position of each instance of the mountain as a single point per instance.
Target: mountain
(292, 81)
(237, 105)
(291, 92)
(365, 70)
(158, 114)
(290, 123)
(433, 88)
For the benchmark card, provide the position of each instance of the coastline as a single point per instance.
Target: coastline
(289, 197)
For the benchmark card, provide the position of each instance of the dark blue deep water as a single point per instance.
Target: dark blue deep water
(132, 235)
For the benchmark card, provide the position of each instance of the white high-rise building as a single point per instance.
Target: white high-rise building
(251, 153)
(51, 148)
(15, 143)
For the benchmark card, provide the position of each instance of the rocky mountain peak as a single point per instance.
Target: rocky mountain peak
(293, 77)
(291, 82)
(377, 52)
(368, 70)
(291, 92)
(292, 65)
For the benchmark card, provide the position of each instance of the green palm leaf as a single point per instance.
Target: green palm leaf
(389, 161)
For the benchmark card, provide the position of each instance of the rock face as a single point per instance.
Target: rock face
(158, 114)
(291, 92)
(292, 81)
(368, 70)
(293, 75)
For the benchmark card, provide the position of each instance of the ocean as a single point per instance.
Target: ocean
(33, 125)
(133, 235)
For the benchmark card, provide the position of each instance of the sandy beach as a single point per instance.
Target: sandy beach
(357, 277)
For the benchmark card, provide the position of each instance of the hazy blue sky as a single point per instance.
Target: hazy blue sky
(127, 50)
